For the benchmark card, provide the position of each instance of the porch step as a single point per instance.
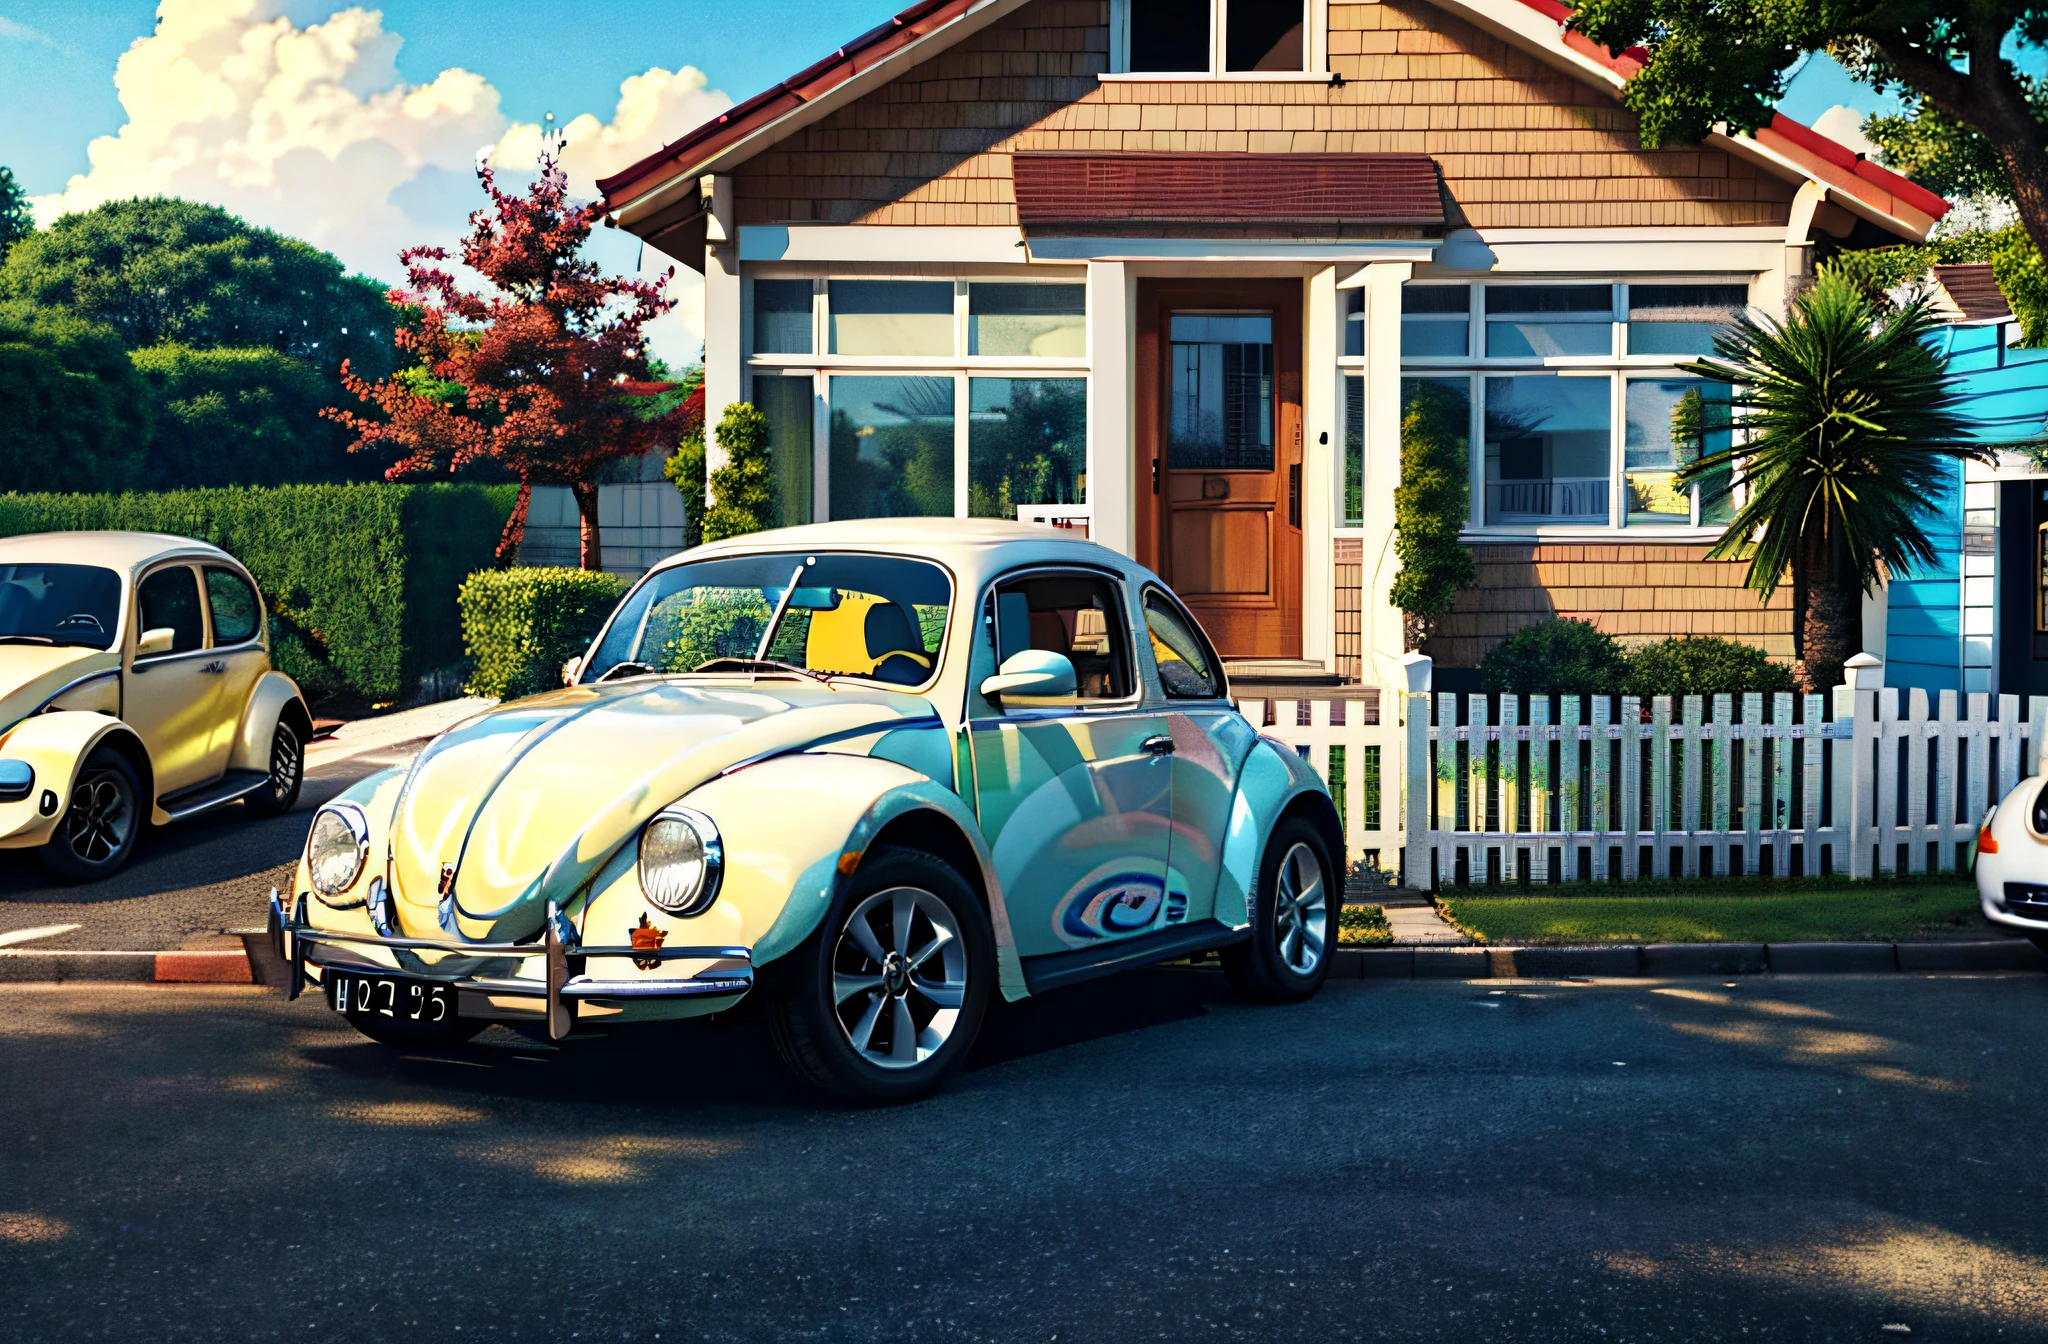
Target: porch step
(1293, 673)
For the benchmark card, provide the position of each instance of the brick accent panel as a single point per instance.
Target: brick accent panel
(1636, 593)
(1349, 628)
(1519, 144)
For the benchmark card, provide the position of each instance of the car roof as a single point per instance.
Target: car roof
(971, 547)
(126, 551)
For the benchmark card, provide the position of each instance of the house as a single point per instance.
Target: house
(1178, 274)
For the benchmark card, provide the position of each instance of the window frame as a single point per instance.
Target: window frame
(960, 367)
(192, 567)
(985, 609)
(213, 625)
(1618, 366)
(1315, 49)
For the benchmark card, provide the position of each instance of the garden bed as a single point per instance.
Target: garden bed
(1733, 911)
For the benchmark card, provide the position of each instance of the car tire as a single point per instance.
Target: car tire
(287, 773)
(99, 830)
(855, 1011)
(1294, 920)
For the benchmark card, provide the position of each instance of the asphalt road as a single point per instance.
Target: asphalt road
(1142, 1159)
(187, 881)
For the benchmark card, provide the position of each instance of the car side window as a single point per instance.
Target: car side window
(169, 599)
(1078, 615)
(1187, 667)
(236, 615)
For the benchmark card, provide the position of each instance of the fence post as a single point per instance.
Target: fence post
(1856, 700)
(1418, 854)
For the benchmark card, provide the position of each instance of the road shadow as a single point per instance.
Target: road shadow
(730, 1060)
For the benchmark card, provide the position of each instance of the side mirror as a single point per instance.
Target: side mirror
(1034, 674)
(570, 669)
(155, 641)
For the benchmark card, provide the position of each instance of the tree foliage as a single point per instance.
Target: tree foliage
(1849, 419)
(1555, 657)
(73, 413)
(1431, 505)
(743, 489)
(162, 269)
(2015, 264)
(1711, 61)
(247, 416)
(529, 376)
(17, 221)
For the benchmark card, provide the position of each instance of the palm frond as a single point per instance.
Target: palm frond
(1845, 420)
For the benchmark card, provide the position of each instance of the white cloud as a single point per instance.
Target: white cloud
(1844, 125)
(311, 131)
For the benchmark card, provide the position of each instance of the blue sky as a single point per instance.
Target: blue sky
(565, 58)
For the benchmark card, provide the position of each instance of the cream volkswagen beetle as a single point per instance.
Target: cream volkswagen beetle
(872, 771)
(135, 685)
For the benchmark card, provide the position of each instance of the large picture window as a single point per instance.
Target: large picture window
(1571, 395)
(1209, 37)
(928, 398)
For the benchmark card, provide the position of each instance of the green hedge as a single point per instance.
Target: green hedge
(361, 580)
(521, 625)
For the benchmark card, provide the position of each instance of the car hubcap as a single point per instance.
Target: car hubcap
(1301, 908)
(899, 977)
(284, 762)
(100, 817)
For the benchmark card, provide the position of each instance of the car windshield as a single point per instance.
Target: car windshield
(59, 604)
(873, 616)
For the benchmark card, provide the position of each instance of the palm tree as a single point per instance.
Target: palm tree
(1846, 421)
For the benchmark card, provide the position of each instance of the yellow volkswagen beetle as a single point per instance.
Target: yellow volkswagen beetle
(135, 686)
(876, 771)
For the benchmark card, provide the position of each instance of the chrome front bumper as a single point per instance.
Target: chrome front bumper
(291, 937)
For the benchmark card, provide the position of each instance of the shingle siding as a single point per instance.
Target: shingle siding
(1519, 144)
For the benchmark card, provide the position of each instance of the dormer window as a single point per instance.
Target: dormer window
(1241, 38)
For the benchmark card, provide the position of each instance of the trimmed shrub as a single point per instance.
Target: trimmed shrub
(743, 490)
(1702, 665)
(521, 625)
(360, 580)
(1560, 657)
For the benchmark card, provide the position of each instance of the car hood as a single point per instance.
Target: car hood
(32, 673)
(524, 803)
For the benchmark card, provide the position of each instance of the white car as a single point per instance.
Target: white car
(2012, 861)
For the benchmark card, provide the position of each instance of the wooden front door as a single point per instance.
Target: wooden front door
(1219, 437)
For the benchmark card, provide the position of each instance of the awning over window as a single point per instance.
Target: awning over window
(1058, 187)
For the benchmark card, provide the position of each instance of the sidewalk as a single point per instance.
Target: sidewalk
(384, 731)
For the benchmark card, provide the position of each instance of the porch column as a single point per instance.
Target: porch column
(1322, 480)
(723, 338)
(1112, 365)
(1380, 620)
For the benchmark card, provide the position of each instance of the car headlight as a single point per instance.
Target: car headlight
(338, 848)
(681, 861)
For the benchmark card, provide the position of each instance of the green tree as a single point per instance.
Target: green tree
(247, 416)
(742, 490)
(73, 413)
(2015, 263)
(1726, 61)
(1848, 422)
(685, 471)
(17, 221)
(169, 270)
(1431, 505)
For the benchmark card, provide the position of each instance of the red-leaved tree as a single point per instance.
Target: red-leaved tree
(547, 376)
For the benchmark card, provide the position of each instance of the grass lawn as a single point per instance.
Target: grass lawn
(1755, 911)
(1363, 926)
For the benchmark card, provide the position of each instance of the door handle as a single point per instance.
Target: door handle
(215, 667)
(1161, 745)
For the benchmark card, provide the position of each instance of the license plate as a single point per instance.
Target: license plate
(390, 996)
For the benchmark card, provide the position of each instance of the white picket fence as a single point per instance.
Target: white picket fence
(1513, 788)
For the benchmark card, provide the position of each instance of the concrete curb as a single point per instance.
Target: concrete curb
(207, 967)
(1659, 960)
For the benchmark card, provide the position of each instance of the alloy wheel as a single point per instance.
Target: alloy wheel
(1301, 909)
(101, 817)
(899, 977)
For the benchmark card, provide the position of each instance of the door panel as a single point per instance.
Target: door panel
(173, 700)
(1220, 424)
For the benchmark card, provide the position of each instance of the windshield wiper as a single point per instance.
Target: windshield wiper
(759, 664)
(781, 606)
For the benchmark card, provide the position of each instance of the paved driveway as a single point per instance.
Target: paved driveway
(1139, 1159)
